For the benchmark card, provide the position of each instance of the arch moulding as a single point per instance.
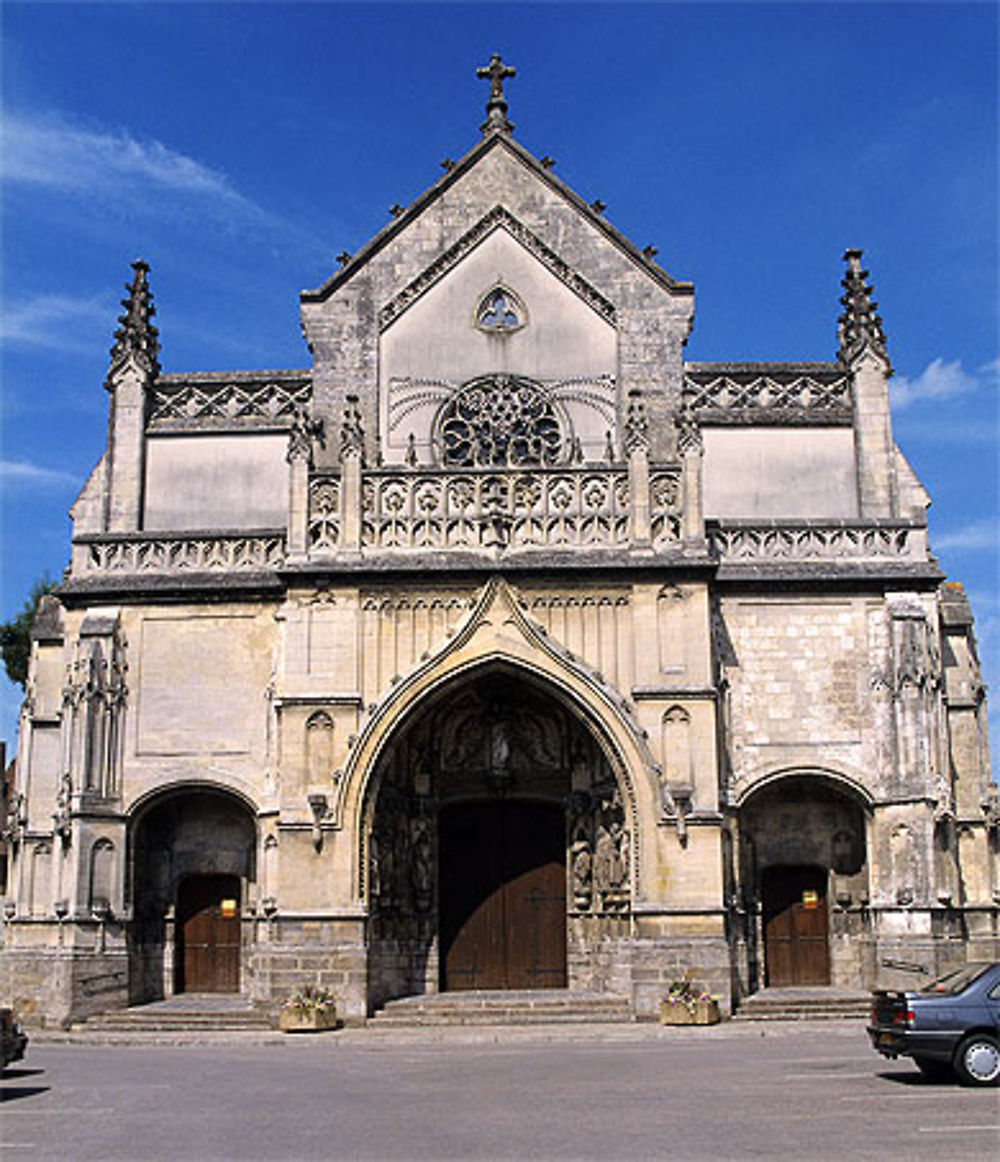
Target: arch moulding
(849, 783)
(149, 797)
(497, 631)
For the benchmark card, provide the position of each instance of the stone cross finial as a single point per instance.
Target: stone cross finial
(496, 72)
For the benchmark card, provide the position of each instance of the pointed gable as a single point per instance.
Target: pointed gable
(601, 314)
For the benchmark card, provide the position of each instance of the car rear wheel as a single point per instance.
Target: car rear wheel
(977, 1061)
(932, 1067)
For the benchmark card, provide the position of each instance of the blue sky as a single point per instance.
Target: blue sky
(239, 147)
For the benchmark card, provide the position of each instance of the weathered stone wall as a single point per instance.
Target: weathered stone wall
(652, 323)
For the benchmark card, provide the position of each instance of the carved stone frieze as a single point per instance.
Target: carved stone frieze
(324, 512)
(183, 554)
(815, 540)
(213, 401)
(760, 395)
(476, 509)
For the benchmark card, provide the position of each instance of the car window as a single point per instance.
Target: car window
(955, 982)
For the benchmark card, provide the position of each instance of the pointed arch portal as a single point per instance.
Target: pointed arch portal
(497, 841)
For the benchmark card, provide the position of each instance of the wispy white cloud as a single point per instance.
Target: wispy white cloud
(978, 535)
(940, 380)
(24, 472)
(59, 322)
(48, 150)
(105, 168)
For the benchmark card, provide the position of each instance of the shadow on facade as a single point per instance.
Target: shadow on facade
(498, 847)
(192, 859)
(803, 867)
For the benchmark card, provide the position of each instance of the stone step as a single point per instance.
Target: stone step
(146, 1020)
(503, 1008)
(766, 1006)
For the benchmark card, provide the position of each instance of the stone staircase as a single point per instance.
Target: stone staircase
(529, 1007)
(186, 1014)
(804, 1004)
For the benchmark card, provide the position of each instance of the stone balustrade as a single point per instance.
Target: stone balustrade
(750, 542)
(406, 510)
(178, 553)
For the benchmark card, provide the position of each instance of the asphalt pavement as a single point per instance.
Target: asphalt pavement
(804, 1090)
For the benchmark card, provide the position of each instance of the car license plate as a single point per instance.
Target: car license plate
(886, 1039)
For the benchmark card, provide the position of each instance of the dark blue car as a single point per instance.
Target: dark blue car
(951, 1025)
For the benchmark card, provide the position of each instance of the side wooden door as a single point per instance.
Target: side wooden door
(796, 936)
(208, 934)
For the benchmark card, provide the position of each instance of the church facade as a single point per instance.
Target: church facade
(501, 648)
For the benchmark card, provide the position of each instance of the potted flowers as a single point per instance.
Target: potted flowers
(309, 1009)
(685, 1004)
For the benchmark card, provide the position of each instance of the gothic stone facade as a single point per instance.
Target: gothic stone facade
(502, 647)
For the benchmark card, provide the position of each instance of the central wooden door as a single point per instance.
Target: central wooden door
(208, 935)
(796, 941)
(503, 896)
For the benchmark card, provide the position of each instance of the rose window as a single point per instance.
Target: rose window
(497, 421)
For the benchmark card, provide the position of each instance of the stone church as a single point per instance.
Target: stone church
(500, 648)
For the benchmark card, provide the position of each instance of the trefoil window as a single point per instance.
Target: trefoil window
(500, 311)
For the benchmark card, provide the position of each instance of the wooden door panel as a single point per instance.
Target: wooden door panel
(796, 941)
(503, 896)
(535, 897)
(208, 945)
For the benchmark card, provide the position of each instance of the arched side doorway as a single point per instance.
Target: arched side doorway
(498, 850)
(192, 860)
(804, 873)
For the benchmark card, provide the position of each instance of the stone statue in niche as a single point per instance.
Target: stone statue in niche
(611, 854)
(421, 864)
(844, 860)
(499, 744)
(388, 861)
(581, 858)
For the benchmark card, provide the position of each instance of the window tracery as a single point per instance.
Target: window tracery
(500, 311)
(497, 421)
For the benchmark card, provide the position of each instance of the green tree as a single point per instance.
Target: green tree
(15, 635)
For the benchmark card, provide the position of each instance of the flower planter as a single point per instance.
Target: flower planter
(695, 1013)
(306, 1020)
